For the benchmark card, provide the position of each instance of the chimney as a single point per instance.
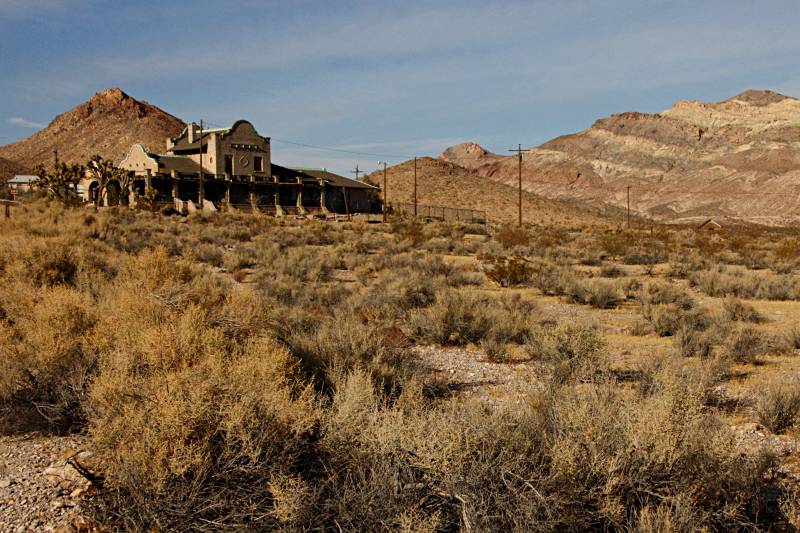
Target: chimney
(193, 131)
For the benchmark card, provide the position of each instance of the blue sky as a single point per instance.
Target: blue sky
(396, 78)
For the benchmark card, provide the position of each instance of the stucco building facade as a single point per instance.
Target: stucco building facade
(237, 174)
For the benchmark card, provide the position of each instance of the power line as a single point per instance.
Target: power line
(343, 151)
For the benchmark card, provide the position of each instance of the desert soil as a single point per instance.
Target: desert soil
(40, 489)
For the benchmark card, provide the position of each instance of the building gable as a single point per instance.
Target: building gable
(139, 160)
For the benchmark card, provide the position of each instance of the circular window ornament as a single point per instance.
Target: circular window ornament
(245, 162)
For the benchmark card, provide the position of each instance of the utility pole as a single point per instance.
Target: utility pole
(201, 184)
(356, 171)
(519, 151)
(415, 187)
(384, 190)
(629, 206)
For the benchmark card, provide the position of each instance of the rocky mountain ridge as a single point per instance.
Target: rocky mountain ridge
(107, 124)
(739, 158)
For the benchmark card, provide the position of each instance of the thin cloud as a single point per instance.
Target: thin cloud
(26, 8)
(25, 123)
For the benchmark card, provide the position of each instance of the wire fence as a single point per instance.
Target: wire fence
(436, 212)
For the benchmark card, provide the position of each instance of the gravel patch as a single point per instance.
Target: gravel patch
(469, 373)
(40, 489)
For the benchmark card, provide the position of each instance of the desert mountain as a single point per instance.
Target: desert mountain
(442, 183)
(107, 124)
(737, 158)
(8, 169)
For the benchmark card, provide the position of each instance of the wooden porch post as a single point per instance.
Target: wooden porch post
(276, 198)
(300, 209)
(174, 175)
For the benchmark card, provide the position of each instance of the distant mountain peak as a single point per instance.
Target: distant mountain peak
(759, 97)
(107, 124)
(113, 94)
(465, 150)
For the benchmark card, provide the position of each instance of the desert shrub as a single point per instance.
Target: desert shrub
(649, 255)
(510, 236)
(47, 357)
(763, 286)
(567, 352)
(507, 271)
(343, 343)
(691, 339)
(708, 245)
(739, 311)
(207, 253)
(496, 352)
(656, 293)
(611, 271)
(790, 338)
(616, 244)
(455, 318)
(409, 229)
(599, 434)
(667, 318)
(239, 258)
(553, 279)
(591, 258)
(204, 442)
(640, 328)
(304, 264)
(778, 407)
(787, 250)
(602, 294)
(458, 318)
(599, 293)
(685, 264)
(790, 506)
(287, 291)
(434, 265)
(45, 264)
(744, 344)
(513, 319)
(393, 294)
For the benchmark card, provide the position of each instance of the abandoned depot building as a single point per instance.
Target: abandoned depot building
(237, 173)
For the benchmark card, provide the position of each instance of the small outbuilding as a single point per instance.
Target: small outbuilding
(20, 185)
(710, 226)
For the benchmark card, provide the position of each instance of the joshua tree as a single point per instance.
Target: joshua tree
(104, 172)
(61, 182)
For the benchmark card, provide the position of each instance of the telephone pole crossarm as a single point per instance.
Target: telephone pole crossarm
(357, 171)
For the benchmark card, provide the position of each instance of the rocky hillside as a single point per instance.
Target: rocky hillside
(442, 183)
(739, 158)
(107, 124)
(9, 169)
